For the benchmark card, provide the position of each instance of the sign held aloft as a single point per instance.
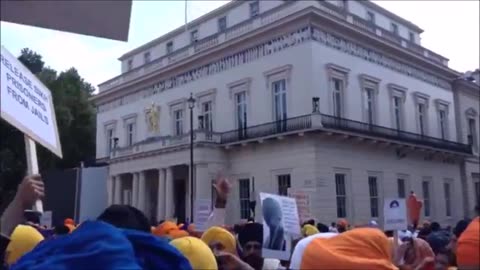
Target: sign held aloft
(395, 214)
(27, 104)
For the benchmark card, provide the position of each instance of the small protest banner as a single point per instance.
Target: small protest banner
(302, 198)
(27, 104)
(46, 219)
(280, 224)
(202, 212)
(395, 214)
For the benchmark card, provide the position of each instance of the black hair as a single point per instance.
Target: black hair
(61, 230)
(322, 228)
(435, 226)
(311, 222)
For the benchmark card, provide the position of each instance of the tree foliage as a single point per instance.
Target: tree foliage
(75, 120)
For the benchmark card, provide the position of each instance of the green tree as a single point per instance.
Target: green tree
(75, 120)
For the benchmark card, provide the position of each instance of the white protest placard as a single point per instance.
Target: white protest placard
(202, 212)
(27, 104)
(395, 214)
(46, 219)
(302, 198)
(280, 223)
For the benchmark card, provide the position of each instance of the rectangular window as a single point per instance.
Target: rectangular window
(178, 121)
(394, 28)
(397, 112)
(341, 193)
(207, 115)
(411, 36)
(110, 140)
(472, 133)
(442, 118)
(130, 134)
(421, 118)
(129, 64)
(370, 105)
(370, 17)
(426, 198)
(244, 189)
(373, 188)
(337, 89)
(254, 9)
(194, 36)
(169, 47)
(401, 188)
(283, 184)
(222, 24)
(448, 199)
(146, 57)
(279, 100)
(241, 109)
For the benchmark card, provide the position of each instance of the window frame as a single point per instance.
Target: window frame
(110, 142)
(394, 28)
(178, 105)
(169, 47)
(235, 88)
(242, 199)
(194, 35)
(369, 83)
(448, 197)
(282, 187)
(374, 198)
(207, 96)
(411, 37)
(427, 200)
(273, 76)
(129, 64)
(219, 24)
(147, 57)
(336, 72)
(443, 126)
(399, 92)
(130, 119)
(471, 116)
(370, 17)
(422, 100)
(338, 195)
(254, 12)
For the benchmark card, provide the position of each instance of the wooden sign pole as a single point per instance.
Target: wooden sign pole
(32, 166)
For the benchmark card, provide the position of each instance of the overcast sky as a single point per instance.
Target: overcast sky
(451, 29)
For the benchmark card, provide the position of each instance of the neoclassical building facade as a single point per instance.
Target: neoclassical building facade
(335, 98)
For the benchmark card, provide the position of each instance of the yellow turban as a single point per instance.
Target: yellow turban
(220, 235)
(309, 229)
(197, 253)
(23, 240)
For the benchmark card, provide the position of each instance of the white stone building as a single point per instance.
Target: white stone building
(336, 97)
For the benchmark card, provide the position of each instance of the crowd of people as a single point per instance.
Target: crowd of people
(123, 238)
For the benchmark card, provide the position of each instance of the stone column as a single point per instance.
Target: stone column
(117, 194)
(203, 182)
(135, 187)
(169, 193)
(141, 194)
(161, 195)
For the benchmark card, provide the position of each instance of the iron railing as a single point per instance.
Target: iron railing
(263, 130)
(333, 122)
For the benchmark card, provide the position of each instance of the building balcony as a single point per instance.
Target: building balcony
(300, 125)
(270, 17)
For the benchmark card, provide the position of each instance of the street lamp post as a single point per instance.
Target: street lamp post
(191, 105)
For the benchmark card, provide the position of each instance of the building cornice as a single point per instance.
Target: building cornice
(397, 18)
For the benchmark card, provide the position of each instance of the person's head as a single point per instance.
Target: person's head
(61, 230)
(272, 212)
(443, 259)
(308, 230)
(322, 228)
(250, 220)
(342, 225)
(435, 227)
(196, 251)
(23, 239)
(333, 224)
(219, 239)
(250, 238)
(311, 222)
(126, 217)
(460, 227)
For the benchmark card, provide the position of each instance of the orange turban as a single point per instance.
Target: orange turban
(69, 221)
(364, 248)
(169, 229)
(468, 246)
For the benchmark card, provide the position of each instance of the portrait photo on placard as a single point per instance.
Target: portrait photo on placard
(276, 242)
